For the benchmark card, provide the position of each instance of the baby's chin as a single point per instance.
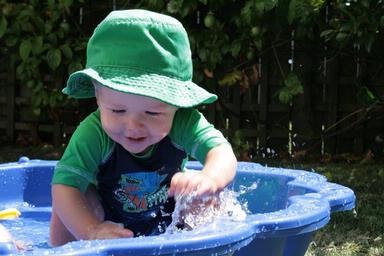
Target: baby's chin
(137, 150)
(140, 145)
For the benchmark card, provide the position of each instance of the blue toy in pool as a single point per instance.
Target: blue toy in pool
(286, 209)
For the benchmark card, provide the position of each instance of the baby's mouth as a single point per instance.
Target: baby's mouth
(136, 139)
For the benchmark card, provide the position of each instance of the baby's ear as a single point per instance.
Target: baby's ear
(95, 85)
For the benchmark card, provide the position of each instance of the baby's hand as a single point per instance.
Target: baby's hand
(187, 182)
(109, 230)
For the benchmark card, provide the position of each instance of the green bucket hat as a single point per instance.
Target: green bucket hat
(143, 53)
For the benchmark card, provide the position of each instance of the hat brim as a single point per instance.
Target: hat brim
(182, 94)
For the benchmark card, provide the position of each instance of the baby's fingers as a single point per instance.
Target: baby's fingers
(205, 189)
(118, 230)
(175, 187)
(110, 230)
(183, 183)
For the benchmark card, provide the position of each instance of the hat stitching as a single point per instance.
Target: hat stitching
(142, 22)
(142, 71)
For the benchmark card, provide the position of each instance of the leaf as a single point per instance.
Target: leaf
(365, 3)
(37, 111)
(74, 66)
(185, 10)
(51, 3)
(25, 49)
(284, 96)
(341, 37)
(26, 12)
(246, 12)
(34, 2)
(3, 26)
(36, 101)
(66, 50)
(173, 6)
(365, 95)
(347, 27)
(270, 4)
(11, 41)
(292, 11)
(30, 83)
(292, 87)
(230, 78)
(39, 23)
(260, 6)
(202, 54)
(236, 47)
(258, 44)
(67, 3)
(327, 32)
(37, 45)
(27, 26)
(293, 83)
(20, 69)
(54, 58)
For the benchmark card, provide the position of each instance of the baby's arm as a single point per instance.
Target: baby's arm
(82, 216)
(218, 171)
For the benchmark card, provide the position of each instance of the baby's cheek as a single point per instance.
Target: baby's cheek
(111, 129)
(159, 130)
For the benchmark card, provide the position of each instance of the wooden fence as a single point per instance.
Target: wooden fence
(327, 118)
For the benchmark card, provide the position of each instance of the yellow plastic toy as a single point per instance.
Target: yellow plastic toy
(10, 213)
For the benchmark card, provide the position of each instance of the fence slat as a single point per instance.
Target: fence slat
(263, 103)
(331, 97)
(10, 103)
(258, 114)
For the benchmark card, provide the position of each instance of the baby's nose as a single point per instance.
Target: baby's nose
(133, 123)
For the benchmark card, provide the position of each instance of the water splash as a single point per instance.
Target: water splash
(192, 212)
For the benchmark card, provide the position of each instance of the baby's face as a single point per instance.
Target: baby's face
(135, 122)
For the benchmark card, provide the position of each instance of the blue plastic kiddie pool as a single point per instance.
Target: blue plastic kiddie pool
(286, 208)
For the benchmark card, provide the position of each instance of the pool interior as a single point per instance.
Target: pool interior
(270, 193)
(31, 194)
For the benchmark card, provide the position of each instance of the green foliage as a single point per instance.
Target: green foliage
(359, 22)
(228, 36)
(292, 87)
(43, 43)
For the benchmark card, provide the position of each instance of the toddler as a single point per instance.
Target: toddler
(124, 163)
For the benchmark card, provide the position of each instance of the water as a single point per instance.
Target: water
(31, 229)
(192, 212)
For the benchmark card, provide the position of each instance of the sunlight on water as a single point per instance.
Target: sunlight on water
(32, 228)
(192, 212)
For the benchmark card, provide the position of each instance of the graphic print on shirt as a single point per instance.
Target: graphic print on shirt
(140, 191)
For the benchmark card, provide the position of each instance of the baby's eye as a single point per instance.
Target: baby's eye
(152, 113)
(118, 111)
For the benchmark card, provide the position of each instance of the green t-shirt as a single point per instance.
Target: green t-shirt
(90, 146)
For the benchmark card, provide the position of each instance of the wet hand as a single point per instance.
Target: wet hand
(183, 183)
(109, 230)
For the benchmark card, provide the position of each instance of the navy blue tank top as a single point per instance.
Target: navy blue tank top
(134, 190)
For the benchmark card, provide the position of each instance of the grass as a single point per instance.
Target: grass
(358, 232)
(353, 233)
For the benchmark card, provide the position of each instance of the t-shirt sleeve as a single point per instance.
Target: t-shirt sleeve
(194, 133)
(85, 151)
